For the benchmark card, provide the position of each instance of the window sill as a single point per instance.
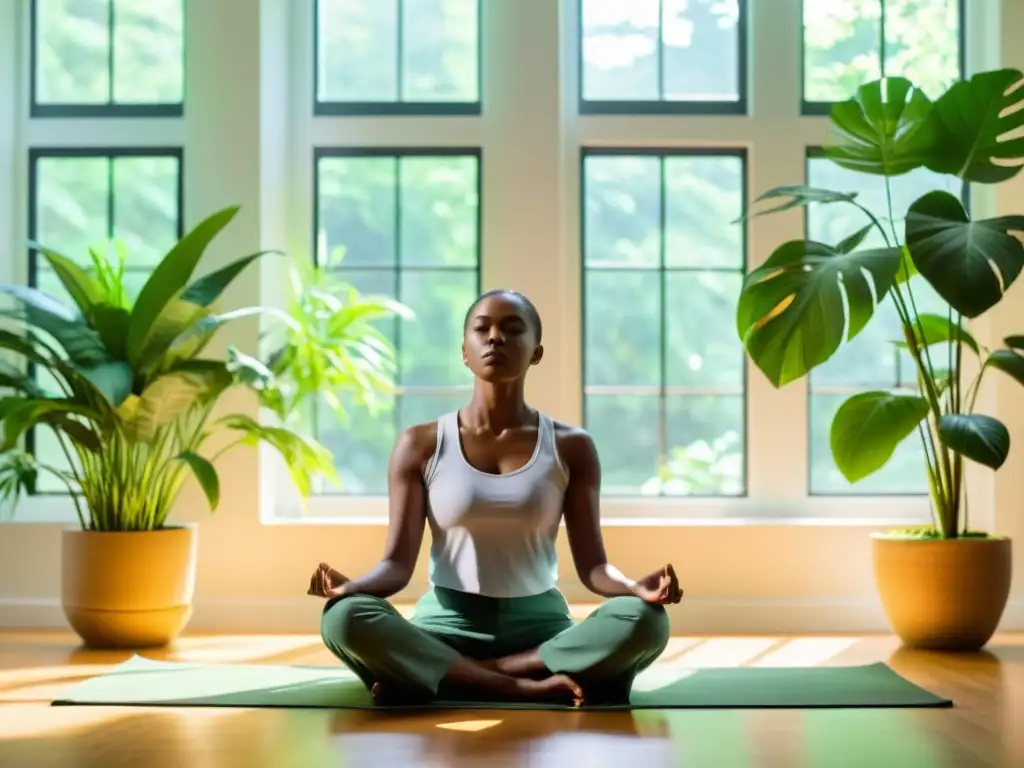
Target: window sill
(851, 511)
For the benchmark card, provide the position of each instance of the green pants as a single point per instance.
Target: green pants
(603, 653)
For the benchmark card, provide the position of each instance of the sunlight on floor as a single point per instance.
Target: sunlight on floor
(469, 726)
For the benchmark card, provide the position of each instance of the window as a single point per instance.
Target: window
(403, 224)
(850, 42)
(384, 57)
(663, 369)
(97, 154)
(870, 361)
(83, 198)
(663, 56)
(107, 57)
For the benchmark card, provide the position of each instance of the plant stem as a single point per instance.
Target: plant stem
(948, 476)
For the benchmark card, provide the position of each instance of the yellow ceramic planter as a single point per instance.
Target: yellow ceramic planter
(128, 589)
(943, 594)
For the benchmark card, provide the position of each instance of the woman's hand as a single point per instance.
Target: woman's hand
(327, 582)
(659, 588)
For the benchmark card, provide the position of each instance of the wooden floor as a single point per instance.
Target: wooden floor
(985, 727)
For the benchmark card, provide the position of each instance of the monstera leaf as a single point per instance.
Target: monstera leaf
(974, 120)
(868, 427)
(971, 264)
(977, 437)
(796, 309)
(799, 196)
(885, 129)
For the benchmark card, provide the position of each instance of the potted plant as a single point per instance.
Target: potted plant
(943, 586)
(133, 404)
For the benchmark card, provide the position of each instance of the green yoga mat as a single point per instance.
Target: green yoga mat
(143, 682)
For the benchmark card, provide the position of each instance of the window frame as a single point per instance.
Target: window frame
(662, 106)
(92, 110)
(399, 107)
(814, 108)
(398, 153)
(663, 153)
(546, 111)
(109, 153)
(26, 133)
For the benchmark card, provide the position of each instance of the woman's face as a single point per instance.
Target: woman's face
(500, 343)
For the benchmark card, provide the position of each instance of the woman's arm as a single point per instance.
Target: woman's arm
(582, 516)
(583, 524)
(406, 515)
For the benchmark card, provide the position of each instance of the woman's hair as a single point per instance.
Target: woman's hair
(532, 315)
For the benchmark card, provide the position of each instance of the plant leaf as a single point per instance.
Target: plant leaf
(211, 376)
(304, 458)
(975, 119)
(792, 314)
(81, 343)
(82, 289)
(160, 403)
(1014, 342)
(23, 413)
(883, 130)
(79, 433)
(977, 437)
(170, 278)
(907, 269)
(970, 264)
(937, 330)
(206, 474)
(1009, 362)
(112, 379)
(852, 243)
(207, 289)
(178, 318)
(869, 426)
(249, 371)
(111, 323)
(800, 196)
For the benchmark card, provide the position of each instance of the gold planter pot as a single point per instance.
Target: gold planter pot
(943, 594)
(128, 589)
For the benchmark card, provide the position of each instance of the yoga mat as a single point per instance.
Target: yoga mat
(144, 682)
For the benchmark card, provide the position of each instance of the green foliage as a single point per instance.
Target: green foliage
(796, 310)
(134, 401)
(867, 428)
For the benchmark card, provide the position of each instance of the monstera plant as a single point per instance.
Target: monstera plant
(809, 297)
(134, 400)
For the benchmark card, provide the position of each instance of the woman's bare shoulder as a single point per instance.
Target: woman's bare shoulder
(574, 442)
(416, 445)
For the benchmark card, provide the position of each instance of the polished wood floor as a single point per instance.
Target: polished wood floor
(985, 728)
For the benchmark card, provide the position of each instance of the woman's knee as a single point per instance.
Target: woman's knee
(648, 624)
(349, 623)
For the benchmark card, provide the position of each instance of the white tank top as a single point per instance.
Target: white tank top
(494, 535)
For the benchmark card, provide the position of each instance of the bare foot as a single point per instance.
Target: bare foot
(556, 688)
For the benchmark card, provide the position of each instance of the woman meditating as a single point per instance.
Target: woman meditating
(493, 481)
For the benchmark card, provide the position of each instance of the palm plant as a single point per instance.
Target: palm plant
(799, 307)
(134, 403)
